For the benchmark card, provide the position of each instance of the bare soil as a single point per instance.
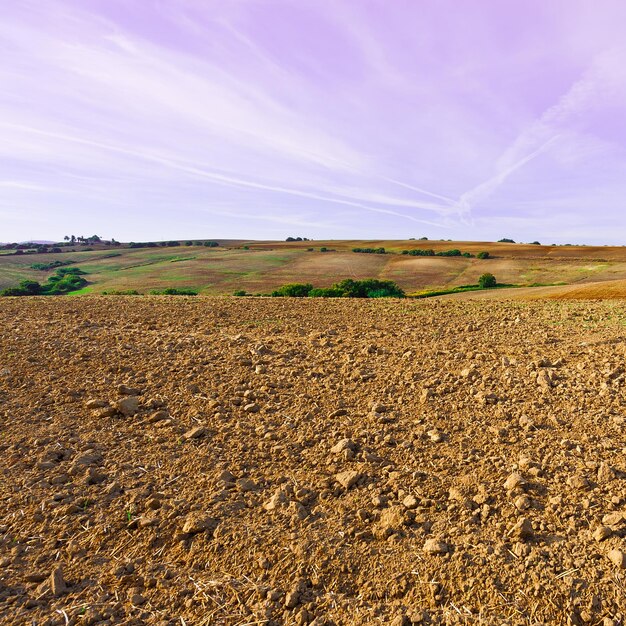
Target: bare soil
(281, 461)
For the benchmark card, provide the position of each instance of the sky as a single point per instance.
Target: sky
(329, 119)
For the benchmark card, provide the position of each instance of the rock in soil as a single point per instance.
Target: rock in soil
(368, 461)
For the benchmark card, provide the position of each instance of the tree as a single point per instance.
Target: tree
(294, 290)
(483, 255)
(487, 281)
(505, 240)
(31, 287)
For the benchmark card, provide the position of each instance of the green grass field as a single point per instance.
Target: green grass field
(268, 265)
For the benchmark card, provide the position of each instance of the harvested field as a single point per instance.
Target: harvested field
(283, 461)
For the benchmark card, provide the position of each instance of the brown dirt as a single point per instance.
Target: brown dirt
(268, 461)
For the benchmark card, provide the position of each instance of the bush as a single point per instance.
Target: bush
(31, 287)
(369, 288)
(293, 290)
(483, 255)
(323, 249)
(505, 240)
(189, 243)
(173, 291)
(240, 292)
(326, 293)
(45, 267)
(121, 292)
(369, 250)
(211, 244)
(419, 252)
(487, 281)
(535, 243)
(64, 283)
(13, 291)
(453, 252)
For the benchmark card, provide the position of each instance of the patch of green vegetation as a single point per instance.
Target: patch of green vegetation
(64, 280)
(121, 292)
(369, 250)
(46, 267)
(347, 288)
(173, 291)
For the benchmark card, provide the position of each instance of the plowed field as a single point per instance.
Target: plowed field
(280, 461)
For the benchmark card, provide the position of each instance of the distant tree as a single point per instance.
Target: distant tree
(66, 238)
(31, 287)
(293, 290)
(535, 243)
(189, 243)
(211, 244)
(487, 281)
(326, 293)
(483, 255)
(290, 239)
(505, 240)
(453, 252)
(323, 249)
(369, 288)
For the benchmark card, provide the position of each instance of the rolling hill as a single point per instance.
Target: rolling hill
(258, 267)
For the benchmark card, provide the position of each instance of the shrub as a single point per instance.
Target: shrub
(293, 290)
(323, 249)
(453, 252)
(369, 288)
(505, 240)
(31, 287)
(326, 293)
(240, 292)
(483, 255)
(487, 281)
(121, 292)
(173, 291)
(64, 283)
(419, 252)
(13, 291)
(211, 244)
(44, 267)
(535, 243)
(369, 250)
(189, 243)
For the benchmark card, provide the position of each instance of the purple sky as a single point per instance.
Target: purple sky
(155, 119)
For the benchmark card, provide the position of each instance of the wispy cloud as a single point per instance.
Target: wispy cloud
(325, 116)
